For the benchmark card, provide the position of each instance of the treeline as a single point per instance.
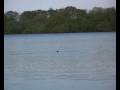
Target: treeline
(69, 19)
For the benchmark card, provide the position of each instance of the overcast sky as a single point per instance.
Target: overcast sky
(28, 5)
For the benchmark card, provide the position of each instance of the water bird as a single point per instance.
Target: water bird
(57, 51)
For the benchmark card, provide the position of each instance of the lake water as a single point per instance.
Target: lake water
(84, 61)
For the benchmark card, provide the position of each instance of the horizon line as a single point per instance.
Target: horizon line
(58, 9)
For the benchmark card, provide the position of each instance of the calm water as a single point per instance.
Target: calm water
(85, 61)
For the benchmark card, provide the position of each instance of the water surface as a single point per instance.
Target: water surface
(85, 61)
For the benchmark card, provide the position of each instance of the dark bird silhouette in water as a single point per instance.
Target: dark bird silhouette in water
(57, 51)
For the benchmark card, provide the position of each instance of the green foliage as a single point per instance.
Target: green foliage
(69, 19)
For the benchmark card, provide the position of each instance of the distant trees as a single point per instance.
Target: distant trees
(11, 22)
(69, 19)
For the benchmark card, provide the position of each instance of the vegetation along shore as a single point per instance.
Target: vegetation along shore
(64, 20)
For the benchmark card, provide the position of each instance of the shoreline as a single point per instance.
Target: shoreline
(59, 33)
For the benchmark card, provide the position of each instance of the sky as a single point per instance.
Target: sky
(29, 5)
